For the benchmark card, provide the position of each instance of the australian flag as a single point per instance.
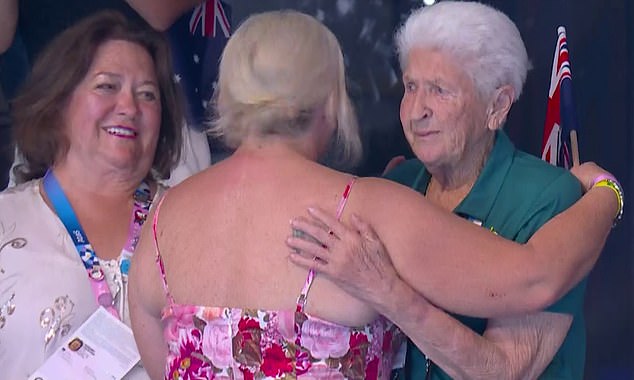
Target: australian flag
(559, 144)
(197, 40)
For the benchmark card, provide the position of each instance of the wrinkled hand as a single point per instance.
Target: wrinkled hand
(352, 257)
(586, 173)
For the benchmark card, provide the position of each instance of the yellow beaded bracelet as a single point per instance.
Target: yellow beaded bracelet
(616, 187)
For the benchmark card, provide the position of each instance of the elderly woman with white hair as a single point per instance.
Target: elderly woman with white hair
(224, 301)
(464, 64)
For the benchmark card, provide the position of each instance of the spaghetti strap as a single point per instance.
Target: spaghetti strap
(344, 197)
(301, 300)
(159, 259)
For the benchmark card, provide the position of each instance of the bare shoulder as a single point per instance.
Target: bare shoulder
(379, 187)
(378, 196)
(387, 206)
(188, 193)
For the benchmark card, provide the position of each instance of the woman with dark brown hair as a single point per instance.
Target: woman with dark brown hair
(98, 122)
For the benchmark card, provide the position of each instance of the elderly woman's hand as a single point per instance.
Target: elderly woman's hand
(587, 172)
(352, 257)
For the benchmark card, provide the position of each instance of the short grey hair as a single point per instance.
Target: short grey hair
(483, 40)
(276, 70)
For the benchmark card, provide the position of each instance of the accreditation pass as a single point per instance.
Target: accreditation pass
(102, 348)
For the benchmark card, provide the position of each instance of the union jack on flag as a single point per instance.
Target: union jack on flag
(560, 130)
(196, 54)
(210, 13)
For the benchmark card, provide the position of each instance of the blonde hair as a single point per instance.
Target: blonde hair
(277, 69)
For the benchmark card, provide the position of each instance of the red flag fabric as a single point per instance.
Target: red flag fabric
(560, 129)
(210, 13)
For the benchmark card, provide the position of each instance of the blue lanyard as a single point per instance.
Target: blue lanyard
(64, 210)
(67, 215)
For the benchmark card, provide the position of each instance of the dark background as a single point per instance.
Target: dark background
(601, 44)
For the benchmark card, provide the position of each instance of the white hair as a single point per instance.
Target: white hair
(483, 40)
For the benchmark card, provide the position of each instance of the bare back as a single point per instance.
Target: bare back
(225, 247)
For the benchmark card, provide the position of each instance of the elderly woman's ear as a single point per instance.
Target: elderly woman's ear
(501, 102)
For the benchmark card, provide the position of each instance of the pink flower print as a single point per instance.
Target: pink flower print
(170, 332)
(302, 361)
(178, 317)
(375, 348)
(372, 369)
(324, 339)
(235, 375)
(247, 374)
(184, 315)
(353, 364)
(271, 330)
(387, 341)
(217, 343)
(248, 323)
(275, 362)
(184, 365)
(358, 341)
(321, 372)
(209, 313)
(286, 324)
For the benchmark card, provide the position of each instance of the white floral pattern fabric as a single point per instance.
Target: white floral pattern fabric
(42, 281)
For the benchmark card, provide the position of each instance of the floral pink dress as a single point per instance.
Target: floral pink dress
(230, 343)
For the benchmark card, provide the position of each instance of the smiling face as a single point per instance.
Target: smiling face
(443, 116)
(112, 118)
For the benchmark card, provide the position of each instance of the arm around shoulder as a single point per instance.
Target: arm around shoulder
(458, 266)
(568, 246)
(455, 264)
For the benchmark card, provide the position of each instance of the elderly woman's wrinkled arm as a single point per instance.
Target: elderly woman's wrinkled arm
(8, 22)
(456, 265)
(465, 354)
